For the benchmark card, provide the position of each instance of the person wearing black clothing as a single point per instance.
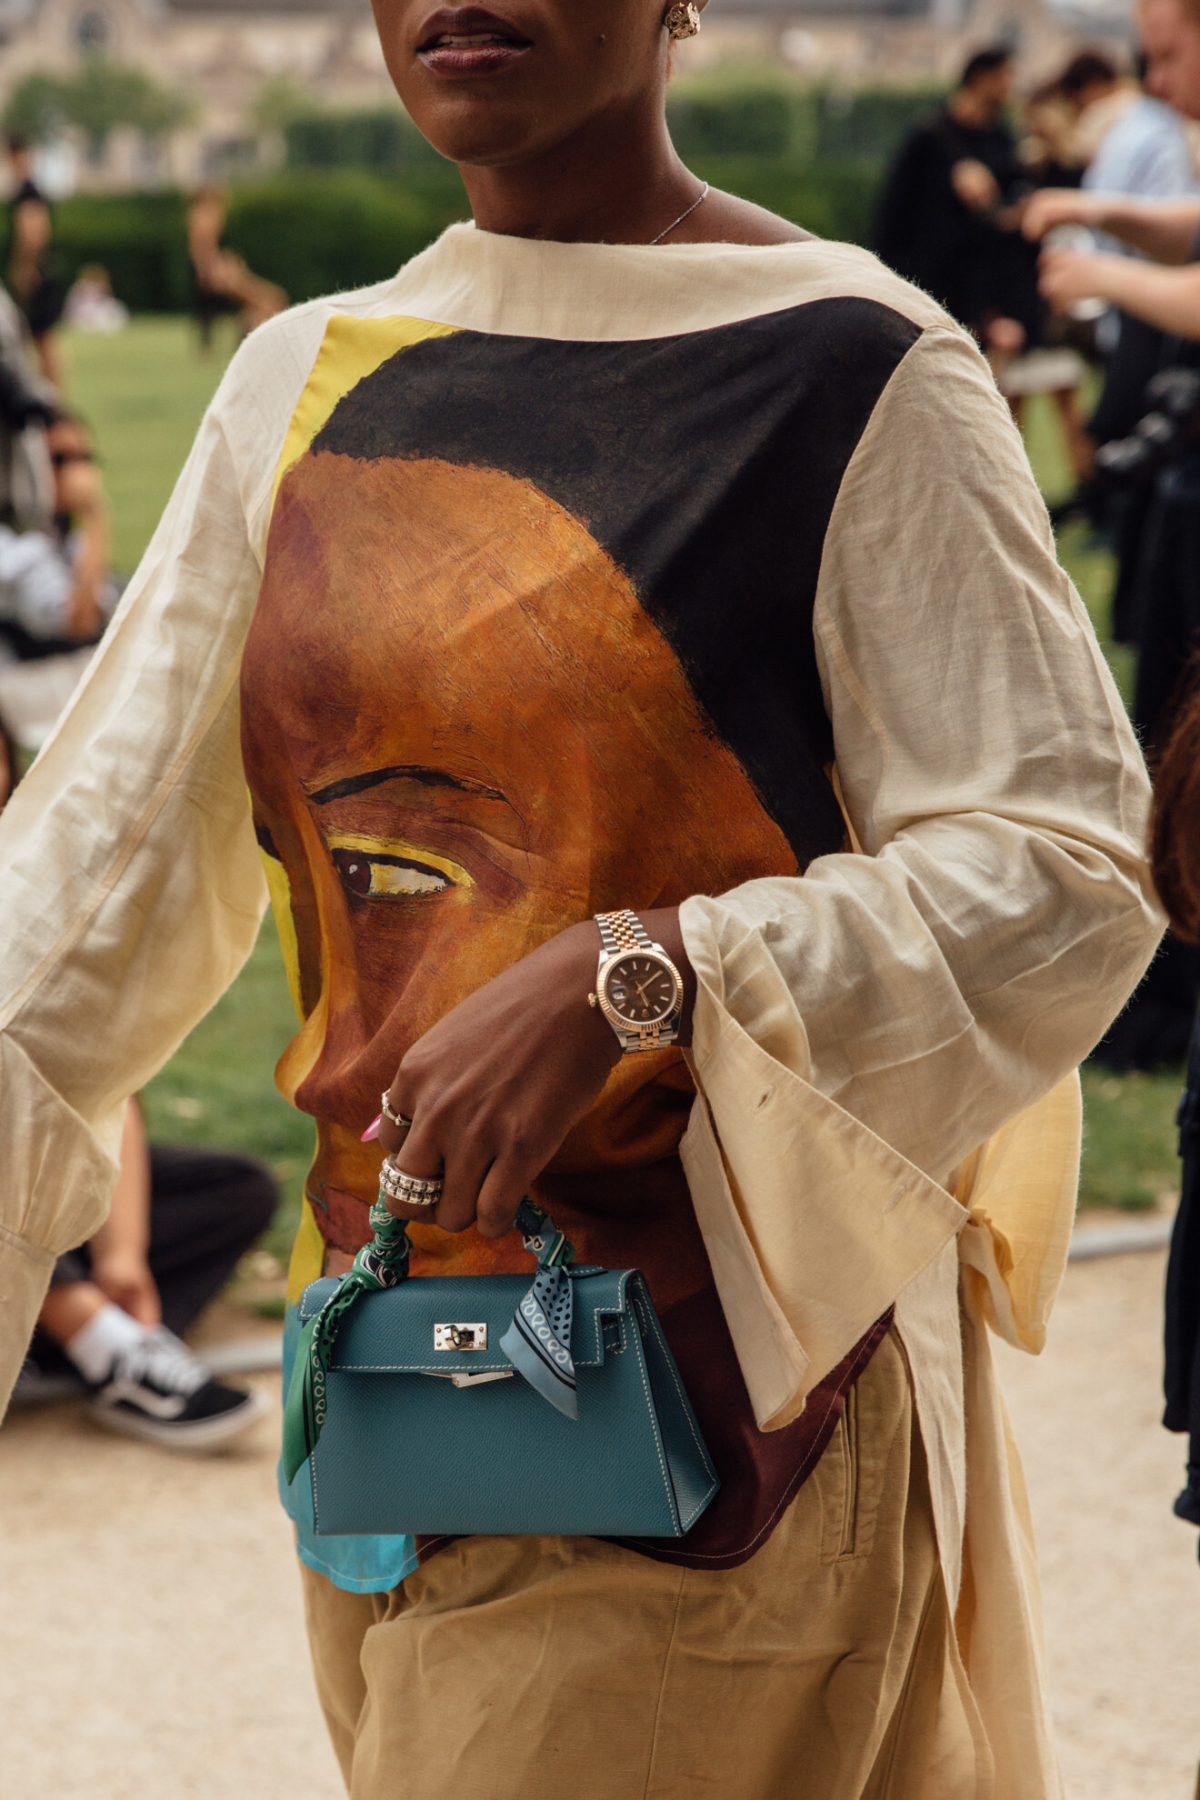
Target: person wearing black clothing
(946, 219)
(109, 1329)
(39, 291)
(1175, 854)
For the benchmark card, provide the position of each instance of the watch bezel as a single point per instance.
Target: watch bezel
(631, 1027)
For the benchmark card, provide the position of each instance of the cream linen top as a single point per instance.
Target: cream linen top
(884, 1046)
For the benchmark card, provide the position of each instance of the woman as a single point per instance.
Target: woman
(551, 579)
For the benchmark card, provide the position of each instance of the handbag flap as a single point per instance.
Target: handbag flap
(394, 1332)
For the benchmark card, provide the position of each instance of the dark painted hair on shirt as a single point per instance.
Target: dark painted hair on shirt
(705, 464)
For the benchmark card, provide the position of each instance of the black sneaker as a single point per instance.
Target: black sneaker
(160, 1392)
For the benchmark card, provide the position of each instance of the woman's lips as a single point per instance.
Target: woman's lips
(477, 47)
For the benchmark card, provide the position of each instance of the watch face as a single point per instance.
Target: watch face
(640, 989)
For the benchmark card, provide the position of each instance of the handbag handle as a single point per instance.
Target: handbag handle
(537, 1343)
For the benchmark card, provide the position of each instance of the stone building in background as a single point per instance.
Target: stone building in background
(220, 53)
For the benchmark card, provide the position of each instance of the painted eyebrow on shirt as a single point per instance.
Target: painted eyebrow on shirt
(357, 784)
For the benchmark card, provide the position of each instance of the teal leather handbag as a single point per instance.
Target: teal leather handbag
(463, 1405)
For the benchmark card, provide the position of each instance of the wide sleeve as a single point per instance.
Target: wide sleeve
(911, 1000)
(131, 891)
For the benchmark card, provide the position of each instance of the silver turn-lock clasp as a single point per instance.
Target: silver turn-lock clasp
(460, 1337)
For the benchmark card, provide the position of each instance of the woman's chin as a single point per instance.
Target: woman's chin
(465, 127)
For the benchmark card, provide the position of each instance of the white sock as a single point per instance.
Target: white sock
(96, 1346)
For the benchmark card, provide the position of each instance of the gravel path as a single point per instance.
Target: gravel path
(153, 1647)
(1119, 1572)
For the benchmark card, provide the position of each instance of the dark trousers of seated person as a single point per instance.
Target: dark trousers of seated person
(207, 1208)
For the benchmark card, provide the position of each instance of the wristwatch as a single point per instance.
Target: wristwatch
(638, 988)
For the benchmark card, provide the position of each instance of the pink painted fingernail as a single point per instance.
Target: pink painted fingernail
(372, 1130)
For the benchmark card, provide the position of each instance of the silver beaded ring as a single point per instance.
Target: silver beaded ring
(409, 1190)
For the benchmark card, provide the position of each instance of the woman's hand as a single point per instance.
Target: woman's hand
(494, 1087)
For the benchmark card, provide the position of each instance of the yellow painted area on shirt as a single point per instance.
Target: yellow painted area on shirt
(351, 349)
(304, 1049)
(308, 1254)
(300, 1057)
(281, 906)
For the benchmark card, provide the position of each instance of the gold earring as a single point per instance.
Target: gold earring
(682, 20)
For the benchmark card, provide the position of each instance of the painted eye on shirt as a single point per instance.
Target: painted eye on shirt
(384, 869)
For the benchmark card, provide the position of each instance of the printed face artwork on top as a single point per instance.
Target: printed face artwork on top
(463, 731)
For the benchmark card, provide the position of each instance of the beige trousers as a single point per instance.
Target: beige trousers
(527, 1668)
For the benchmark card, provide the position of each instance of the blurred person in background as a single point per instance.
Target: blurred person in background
(32, 275)
(1047, 149)
(1143, 151)
(92, 305)
(1175, 851)
(1099, 97)
(949, 217)
(221, 280)
(27, 488)
(1146, 153)
(1054, 365)
(57, 591)
(27, 405)
(110, 1326)
(1160, 288)
(548, 578)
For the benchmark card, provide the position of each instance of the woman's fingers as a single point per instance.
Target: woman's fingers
(484, 1179)
(466, 1168)
(386, 1132)
(504, 1187)
(494, 1086)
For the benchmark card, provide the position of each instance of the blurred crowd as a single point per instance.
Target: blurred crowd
(182, 1217)
(1005, 209)
(1078, 245)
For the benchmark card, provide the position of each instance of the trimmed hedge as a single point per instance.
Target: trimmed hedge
(314, 231)
(141, 239)
(748, 112)
(363, 191)
(366, 138)
(832, 199)
(765, 114)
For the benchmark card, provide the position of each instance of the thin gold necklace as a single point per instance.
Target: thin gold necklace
(685, 214)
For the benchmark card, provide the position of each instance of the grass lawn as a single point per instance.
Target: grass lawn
(144, 392)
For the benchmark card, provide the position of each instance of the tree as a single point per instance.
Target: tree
(35, 108)
(95, 101)
(281, 101)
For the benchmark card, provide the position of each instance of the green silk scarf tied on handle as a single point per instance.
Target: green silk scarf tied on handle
(537, 1343)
